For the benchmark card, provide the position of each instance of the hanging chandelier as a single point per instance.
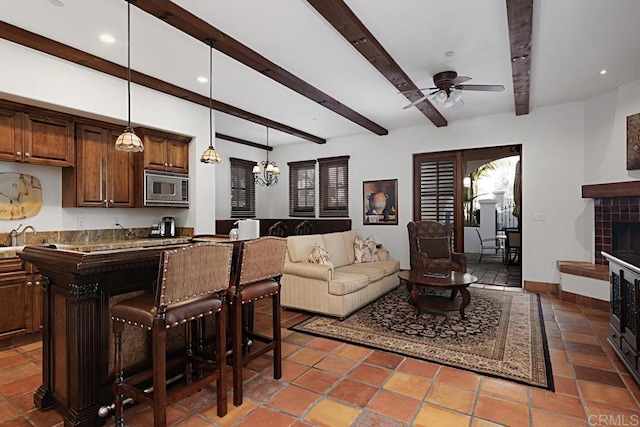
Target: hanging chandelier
(270, 170)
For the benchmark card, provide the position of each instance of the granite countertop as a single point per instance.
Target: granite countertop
(12, 251)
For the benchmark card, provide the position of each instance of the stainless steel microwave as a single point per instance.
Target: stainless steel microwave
(166, 189)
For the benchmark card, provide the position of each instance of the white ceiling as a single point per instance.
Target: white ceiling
(572, 41)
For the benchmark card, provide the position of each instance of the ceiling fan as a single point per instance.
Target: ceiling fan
(448, 89)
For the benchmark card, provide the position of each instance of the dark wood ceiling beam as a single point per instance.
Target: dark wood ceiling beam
(68, 53)
(338, 14)
(192, 25)
(520, 17)
(243, 141)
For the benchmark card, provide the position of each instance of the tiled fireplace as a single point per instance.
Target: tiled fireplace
(617, 226)
(617, 217)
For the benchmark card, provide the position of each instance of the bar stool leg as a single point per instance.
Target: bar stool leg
(221, 360)
(118, 327)
(237, 329)
(159, 343)
(188, 344)
(277, 337)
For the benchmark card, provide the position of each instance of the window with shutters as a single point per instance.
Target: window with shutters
(302, 188)
(435, 189)
(243, 189)
(334, 186)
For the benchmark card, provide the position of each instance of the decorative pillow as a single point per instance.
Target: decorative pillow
(435, 247)
(320, 255)
(365, 250)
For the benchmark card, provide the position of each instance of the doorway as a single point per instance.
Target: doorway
(448, 188)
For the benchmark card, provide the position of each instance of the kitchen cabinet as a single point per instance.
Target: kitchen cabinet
(103, 176)
(33, 298)
(624, 322)
(164, 151)
(35, 136)
(13, 320)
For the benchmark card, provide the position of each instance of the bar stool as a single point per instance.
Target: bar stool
(259, 268)
(192, 281)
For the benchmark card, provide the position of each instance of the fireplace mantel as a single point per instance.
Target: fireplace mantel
(614, 189)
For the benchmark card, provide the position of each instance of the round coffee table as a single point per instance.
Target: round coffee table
(455, 280)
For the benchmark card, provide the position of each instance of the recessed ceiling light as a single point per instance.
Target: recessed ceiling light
(448, 54)
(107, 38)
(603, 71)
(58, 3)
(203, 79)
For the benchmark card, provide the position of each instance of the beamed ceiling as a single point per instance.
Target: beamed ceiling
(320, 69)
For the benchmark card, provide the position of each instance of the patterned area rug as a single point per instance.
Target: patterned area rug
(502, 335)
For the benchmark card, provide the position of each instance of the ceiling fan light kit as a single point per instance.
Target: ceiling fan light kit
(448, 89)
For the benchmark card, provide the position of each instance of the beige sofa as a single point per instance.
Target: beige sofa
(313, 287)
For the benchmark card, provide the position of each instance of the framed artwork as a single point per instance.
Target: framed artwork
(633, 142)
(380, 202)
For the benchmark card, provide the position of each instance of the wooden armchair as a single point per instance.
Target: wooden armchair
(430, 248)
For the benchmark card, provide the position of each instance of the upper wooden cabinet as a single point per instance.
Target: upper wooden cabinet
(35, 137)
(164, 152)
(103, 177)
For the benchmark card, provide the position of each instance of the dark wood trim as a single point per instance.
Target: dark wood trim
(68, 53)
(199, 29)
(243, 141)
(613, 189)
(338, 14)
(520, 17)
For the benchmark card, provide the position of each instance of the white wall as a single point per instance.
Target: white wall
(39, 79)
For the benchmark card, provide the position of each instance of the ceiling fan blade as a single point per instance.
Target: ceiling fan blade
(460, 79)
(417, 101)
(418, 90)
(483, 88)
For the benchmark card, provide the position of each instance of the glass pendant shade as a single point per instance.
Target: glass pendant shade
(210, 156)
(128, 141)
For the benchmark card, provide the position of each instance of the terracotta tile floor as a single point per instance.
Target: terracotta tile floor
(328, 383)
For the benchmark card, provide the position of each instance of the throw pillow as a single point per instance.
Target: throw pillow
(320, 255)
(435, 247)
(365, 250)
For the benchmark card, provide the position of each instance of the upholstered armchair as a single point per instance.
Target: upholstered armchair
(430, 247)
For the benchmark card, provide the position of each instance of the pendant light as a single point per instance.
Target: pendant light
(210, 156)
(270, 170)
(128, 140)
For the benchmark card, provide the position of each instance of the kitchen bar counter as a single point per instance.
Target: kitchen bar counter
(81, 283)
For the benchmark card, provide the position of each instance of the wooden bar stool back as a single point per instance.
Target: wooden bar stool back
(192, 283)
(260, 266)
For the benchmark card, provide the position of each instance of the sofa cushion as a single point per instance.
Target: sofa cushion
(299, 247)
(374, 274)
(320, 255)
(335, 245)
(349, 237)
(389, 267)
(365, 250)
(435, 247)
(346, 283)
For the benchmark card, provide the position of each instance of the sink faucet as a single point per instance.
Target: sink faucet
(16, 232)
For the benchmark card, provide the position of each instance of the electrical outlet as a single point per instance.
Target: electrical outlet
(80, 223)
(116, 220)
(538, 216)
(553, 264)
